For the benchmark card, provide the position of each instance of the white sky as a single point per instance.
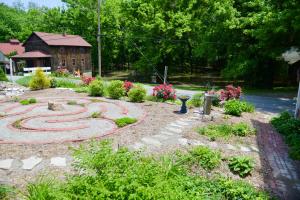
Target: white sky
(48, 3)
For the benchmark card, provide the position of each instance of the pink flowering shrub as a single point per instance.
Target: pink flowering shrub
(165, 92)
(230, 92)
(87, 79)
(61, 72)
(127, 85)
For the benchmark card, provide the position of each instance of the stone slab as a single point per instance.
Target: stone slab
(183, 141)
(6, 164)
(245, 149)
(151, 141)
(31, 162)
(58, 161)
(175, 130)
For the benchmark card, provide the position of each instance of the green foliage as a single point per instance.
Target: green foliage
(5, 192)
(2, 75)
(226, 130)
(115, 89)
(82, 89)
(64, 83)
(121, 174)
(28, 101)
(96, 88)
(39, 80)
(196, 100)
(289, 127)
(121, 122)
(53, 83)
(236, 107)
(72, 102)
(32, 100)
(24, 81)
(205, 157)
(96, 114)
(241, 165)
(137, 93)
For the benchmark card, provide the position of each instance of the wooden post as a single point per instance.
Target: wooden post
(207, 104)
(11, 69)
(165, 74)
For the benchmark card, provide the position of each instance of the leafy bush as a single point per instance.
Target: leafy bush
(289, 127)
(165, 92)
(205, 157)
(127, 86)
(64, 83)
(137, 94)
(53, 83)
(121, 122)
(96, 88)
(115, 89)
(87, 79)
(2, 75)
(230, 92)
(32, 100)
(236, 107)
(28, 101)
(226, 130)
(121, 174)
(241, 165)
(96, 114)
(196, 100)
(39, 80)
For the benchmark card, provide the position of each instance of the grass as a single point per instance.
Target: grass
(96, 115)
(24, 81)
(226, 130)
(5, 192)
(17, 124)
(122, 174)
(28, 101)
(121, 122)
(72, 102)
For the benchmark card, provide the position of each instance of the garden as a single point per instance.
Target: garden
(118, 140)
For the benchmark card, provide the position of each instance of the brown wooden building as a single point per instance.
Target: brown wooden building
(56, 50)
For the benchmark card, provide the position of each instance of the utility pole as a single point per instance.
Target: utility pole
(99, 39)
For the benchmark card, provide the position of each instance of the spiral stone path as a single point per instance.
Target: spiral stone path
(35, 123)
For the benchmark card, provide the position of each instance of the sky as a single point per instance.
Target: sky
(48, 3)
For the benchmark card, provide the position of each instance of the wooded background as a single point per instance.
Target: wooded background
(241, 39)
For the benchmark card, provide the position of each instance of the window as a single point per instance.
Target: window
(82, 50)
(73, 61)
(62, 50)
(82, 62)
(63, 62)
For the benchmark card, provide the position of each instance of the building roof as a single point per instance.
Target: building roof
(33, 54)
(11, 46)
(61, 39)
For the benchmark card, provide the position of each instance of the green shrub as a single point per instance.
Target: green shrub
(226, 130)
(32, 100)
(121, 174)
(53, 83)
(96, 114)
(137, 94)
(289, 127)
(121, 122)
(63, 83)
(24, 102)
(2, 75)
(241, 165)
(115, 89)
(205, 157)
(39, 80)
(96, 88)
(236, 107)
(196, 100)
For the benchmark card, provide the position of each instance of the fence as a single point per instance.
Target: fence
(30, 70)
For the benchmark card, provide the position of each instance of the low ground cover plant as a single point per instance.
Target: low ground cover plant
(5, 192)
(96, 114)
(241, 165)
(121, 174)
(289, 127)
(164, 92)
(137, 94)
(28, 101)
(214, 131)
(121, 122)
(96, 88)
(39, 80)
(205, 157)
(2, 75)
(64, 83)
(237, 107)
(24, 81)
(196, 100)
(72, 102)
(115, 89)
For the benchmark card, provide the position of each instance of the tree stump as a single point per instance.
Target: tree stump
(54, 106)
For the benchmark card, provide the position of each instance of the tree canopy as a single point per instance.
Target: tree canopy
(244, 39)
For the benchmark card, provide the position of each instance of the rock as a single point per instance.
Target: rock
(55, 106)
(6, 164)
(31, 162)
(58, 161)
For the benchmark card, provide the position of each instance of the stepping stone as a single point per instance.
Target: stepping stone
(229, 146)
(245, 149)
(6, 164)
(58, 161)
(196, 143)
(176, 125)
(137, 146)
(254, 148)
(166, 133)
(213, 144)
(161, 136)
(183, 141)
(182, 123)
(31, 162)
(175, 130)
(151, 141)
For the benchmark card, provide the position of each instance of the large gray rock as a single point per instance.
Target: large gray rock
(55, 106)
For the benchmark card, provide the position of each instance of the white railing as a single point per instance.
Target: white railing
(29, 71)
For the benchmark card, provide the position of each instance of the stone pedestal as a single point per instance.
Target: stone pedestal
(55, 106)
